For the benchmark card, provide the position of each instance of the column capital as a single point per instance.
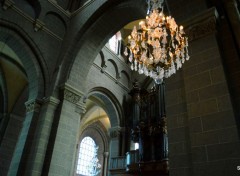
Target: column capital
(105, 154)
(115, 132)
(71, 94)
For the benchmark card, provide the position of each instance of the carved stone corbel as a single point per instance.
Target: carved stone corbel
(33, 105)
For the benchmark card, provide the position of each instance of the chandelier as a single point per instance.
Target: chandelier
(158, 47)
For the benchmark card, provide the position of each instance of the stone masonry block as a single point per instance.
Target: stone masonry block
(205, 138)
(224, 103)
(176, 109)
(227, 135)
(213, 91)
(208, 64)
(179, 160)
(177, 148)
(199, 154)
(195, 125)
(217, 75)
(198, 81)
(218, 120)
(223, 151)
(182, 119)
(192, 96)
(202, 108)
(177, 135)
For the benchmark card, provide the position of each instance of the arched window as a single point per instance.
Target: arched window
(88, 163)
(115, 43)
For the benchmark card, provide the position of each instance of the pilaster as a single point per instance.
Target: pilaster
(20, 155)
(43, 131)
(115, 144)
(65, 138)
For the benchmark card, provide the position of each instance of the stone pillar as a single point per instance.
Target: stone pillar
(40, 141)
(115, 141)
(65, 135)
(25, 138)
(105, 163)
(234, 18)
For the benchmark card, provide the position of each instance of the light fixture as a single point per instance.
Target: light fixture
(158, 47)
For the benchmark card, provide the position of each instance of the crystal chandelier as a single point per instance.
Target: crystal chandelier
(158, 47)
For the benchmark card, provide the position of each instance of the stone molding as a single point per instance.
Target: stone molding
(38, 25)
(8, 4)
(201, 25)
(33, 105)
(80, 108)
(51, 100)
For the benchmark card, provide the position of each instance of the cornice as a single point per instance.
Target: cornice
(201, 25)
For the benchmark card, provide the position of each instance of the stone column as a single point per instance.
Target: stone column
(234, 18)
(25, 138)
(105, 163)
(40, 141)
(65, 135)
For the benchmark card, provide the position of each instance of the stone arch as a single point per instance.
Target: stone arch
(125, 77)
(112, 105)
(35, 70)
(30, 56)
(91, 38)
(55, 23)
(113, 63)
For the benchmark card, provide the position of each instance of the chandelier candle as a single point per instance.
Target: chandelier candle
(158, 47)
